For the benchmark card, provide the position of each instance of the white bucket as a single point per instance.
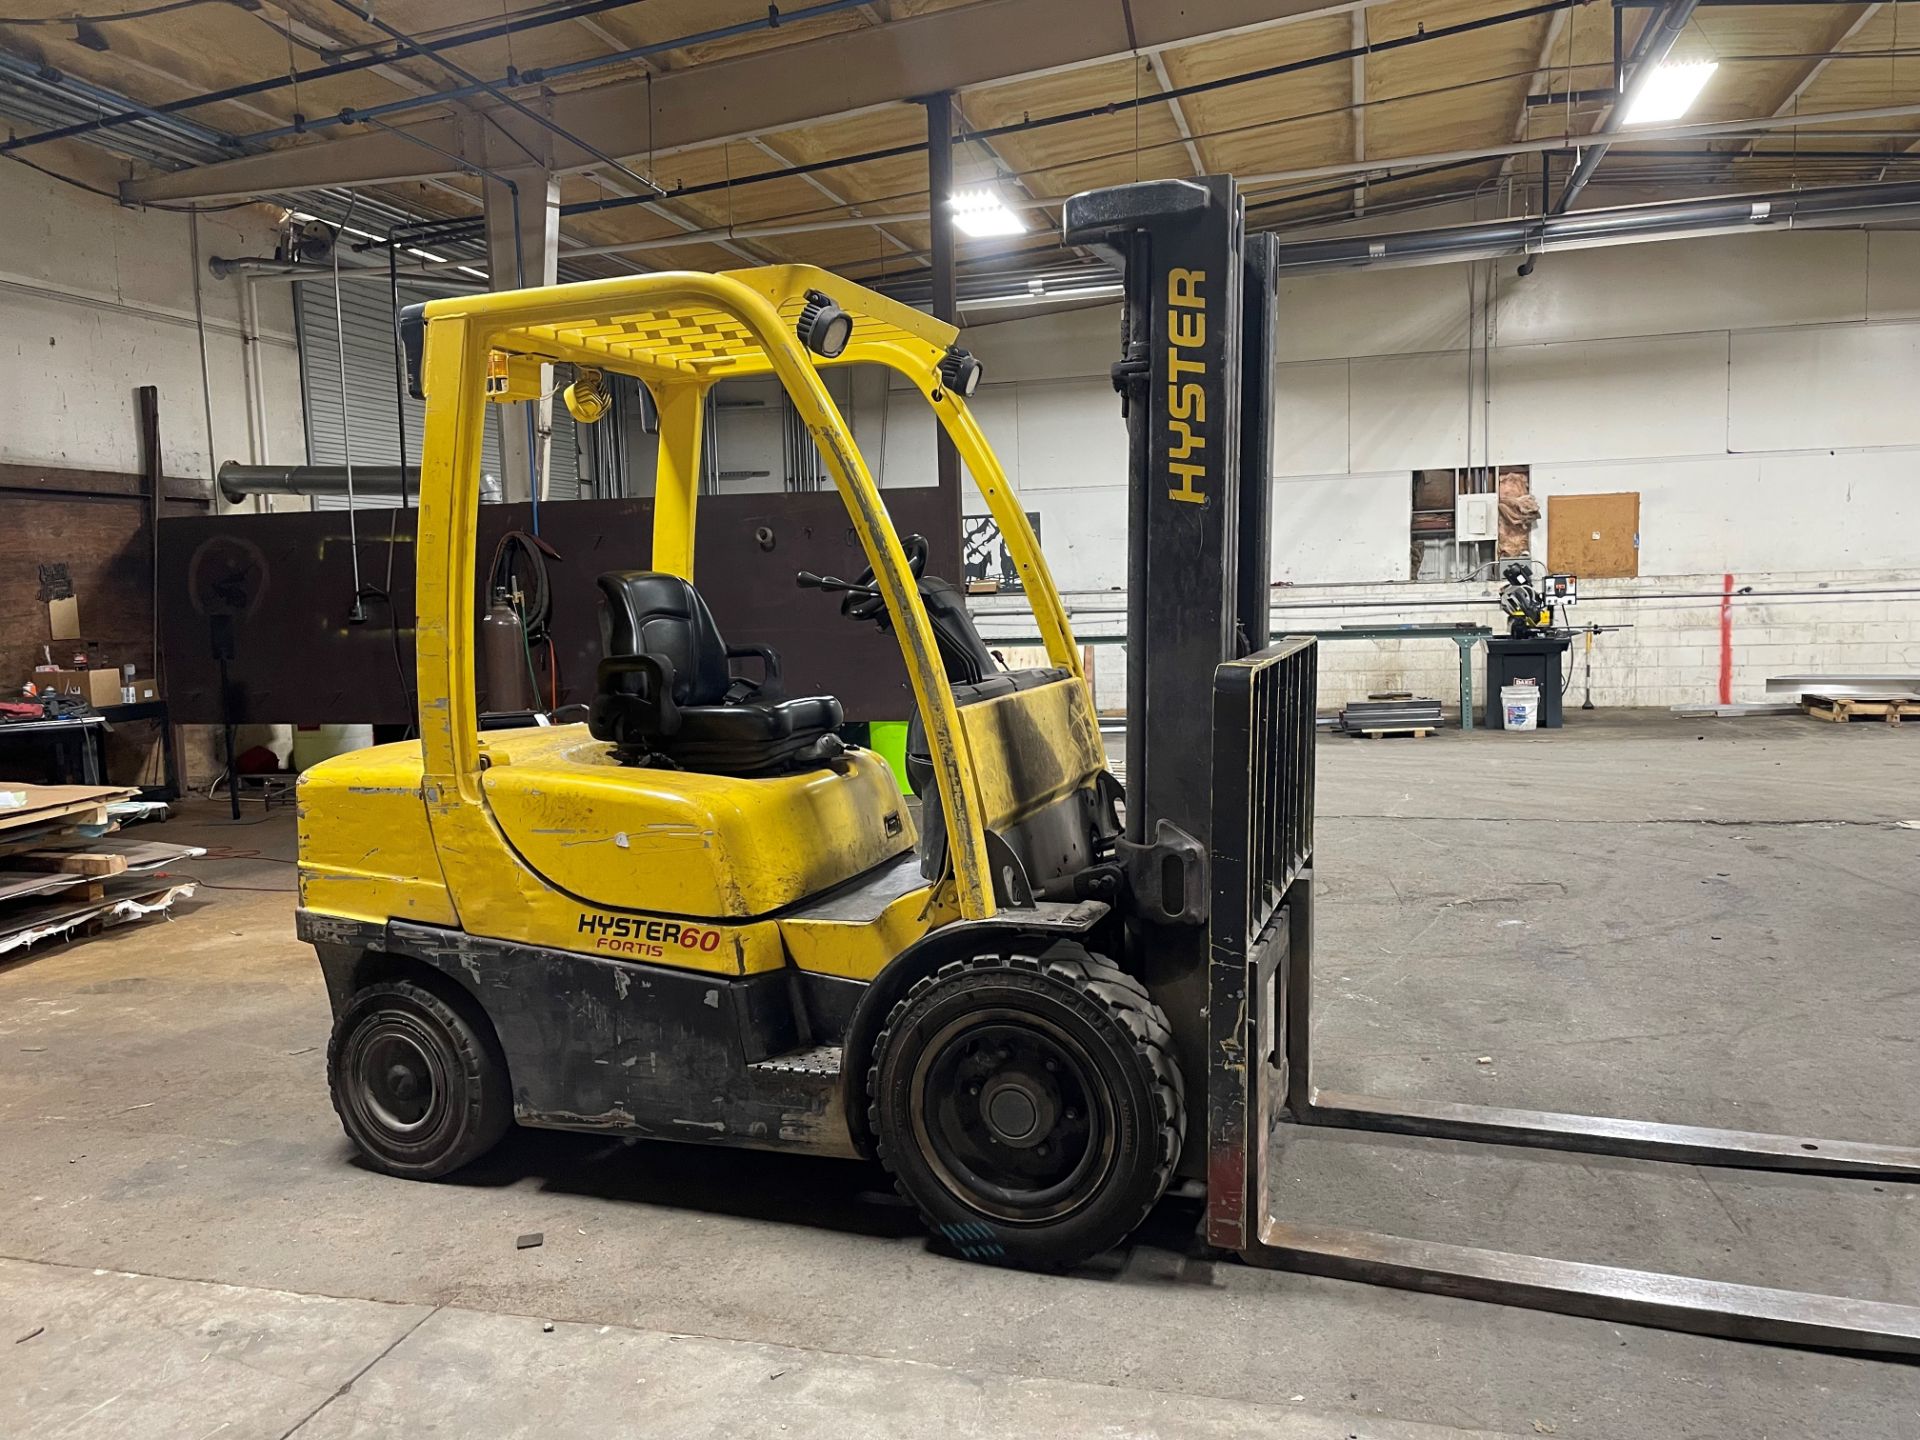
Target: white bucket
(1520, 706)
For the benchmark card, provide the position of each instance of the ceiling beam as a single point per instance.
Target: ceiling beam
(1543, 68)
(1358, 112)
(838, 74)
(1814, 71)
(679, 222)
(1179, 113)
(1642, 135)
(820, 187)
(607, 38)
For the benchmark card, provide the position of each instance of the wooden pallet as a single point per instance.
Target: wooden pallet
(1374, 732)
(1843, 708)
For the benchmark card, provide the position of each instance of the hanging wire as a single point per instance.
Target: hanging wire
(358, 610)
(200, 327)
(1137, 108)
(293, 71)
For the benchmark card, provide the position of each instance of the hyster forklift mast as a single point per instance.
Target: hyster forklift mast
(1231, 963)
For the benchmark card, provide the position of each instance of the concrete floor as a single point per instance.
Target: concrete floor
(1705, 921)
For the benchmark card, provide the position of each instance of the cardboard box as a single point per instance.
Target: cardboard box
(63, 618)
(144, 691)
(96, 687)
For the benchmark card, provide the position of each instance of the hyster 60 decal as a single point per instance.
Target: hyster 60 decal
(650, 939)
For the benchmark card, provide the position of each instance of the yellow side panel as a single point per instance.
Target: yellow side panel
(366, 847)
(1032, 747)
(678, 843)
(367, 853)
(859, 950)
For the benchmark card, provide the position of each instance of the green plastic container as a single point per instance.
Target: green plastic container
(888, 739)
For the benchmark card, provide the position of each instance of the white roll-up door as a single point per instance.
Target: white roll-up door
(371, 417)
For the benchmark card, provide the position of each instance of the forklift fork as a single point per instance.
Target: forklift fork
(1198, 344)
(1260, 1009)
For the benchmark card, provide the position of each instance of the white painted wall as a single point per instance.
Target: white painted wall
(1757, 391)
(96, 300)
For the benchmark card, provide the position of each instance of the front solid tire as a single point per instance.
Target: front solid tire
(1029, 1106)
(420, 1089)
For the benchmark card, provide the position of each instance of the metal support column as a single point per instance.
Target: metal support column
(945, 301)
(523, 245)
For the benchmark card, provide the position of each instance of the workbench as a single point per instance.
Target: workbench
(77, 743)
(73, 744)
(1464, 638)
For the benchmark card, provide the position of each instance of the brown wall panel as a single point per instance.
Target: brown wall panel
(298, 661)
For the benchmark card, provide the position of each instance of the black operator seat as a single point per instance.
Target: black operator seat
(667, 692)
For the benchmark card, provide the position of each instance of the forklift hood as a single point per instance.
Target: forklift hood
(672, 841)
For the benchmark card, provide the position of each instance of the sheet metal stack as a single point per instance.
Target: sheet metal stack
(65, 869)
(1391, 715)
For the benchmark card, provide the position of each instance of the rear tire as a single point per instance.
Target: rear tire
(1030, 1107)
(420, 1088)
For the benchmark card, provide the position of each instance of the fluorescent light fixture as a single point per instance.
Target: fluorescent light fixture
(1670, 90)
(981, 213)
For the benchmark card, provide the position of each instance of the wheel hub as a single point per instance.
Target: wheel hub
(1011, 1117)
(1018, 1110)
(397, 1079)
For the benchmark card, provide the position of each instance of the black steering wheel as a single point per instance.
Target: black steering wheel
(872, 607)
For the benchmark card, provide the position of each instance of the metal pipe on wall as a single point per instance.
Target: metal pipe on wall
(266, 267)
(238, 481)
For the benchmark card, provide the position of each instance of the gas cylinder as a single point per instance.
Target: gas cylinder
(503, 643)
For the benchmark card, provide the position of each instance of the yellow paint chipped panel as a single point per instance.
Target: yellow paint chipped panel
(1032, 747)
(366, 847)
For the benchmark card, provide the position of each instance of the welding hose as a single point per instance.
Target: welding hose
(522, 555)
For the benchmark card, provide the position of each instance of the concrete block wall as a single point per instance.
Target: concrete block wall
(1671, 654)
(97, 300)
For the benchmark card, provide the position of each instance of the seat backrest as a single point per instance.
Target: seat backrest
(651, 613)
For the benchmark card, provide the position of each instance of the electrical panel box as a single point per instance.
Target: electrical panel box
(1563, 589)
(1476, 517)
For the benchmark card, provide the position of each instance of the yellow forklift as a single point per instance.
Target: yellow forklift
(702, 915)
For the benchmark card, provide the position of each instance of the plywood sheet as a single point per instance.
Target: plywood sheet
(1596, 537)
(52, 802)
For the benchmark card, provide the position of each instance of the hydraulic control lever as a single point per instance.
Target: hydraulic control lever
(807, 580)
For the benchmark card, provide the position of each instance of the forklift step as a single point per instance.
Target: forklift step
(818, 1060)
